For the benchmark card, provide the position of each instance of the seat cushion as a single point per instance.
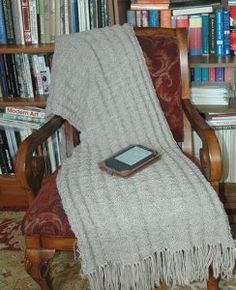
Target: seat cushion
(46, 216)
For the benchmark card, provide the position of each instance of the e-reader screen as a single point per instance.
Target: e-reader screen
(133, 155)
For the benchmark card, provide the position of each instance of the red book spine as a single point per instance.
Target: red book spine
(26, 21)
(212, 74)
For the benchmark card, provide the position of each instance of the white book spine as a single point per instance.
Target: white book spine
(66, 17)
(37, 74)
(28, 76)
(52, 20)
(33, 21)
(51, 154)
(17, 21)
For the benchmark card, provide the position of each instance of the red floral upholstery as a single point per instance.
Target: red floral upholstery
(164, 67)
(46, 216)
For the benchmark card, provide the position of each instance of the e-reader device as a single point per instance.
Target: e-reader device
(129, 160)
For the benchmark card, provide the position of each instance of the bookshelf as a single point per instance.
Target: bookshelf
(12, 195)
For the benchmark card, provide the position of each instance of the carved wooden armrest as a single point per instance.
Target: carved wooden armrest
(210, 153)
(29, 169)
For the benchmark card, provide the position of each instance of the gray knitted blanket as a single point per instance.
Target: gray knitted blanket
(165, 223)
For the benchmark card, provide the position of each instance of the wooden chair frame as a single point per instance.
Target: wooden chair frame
(30, 170)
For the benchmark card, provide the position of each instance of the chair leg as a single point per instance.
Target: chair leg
(36, 264)
(213, 283)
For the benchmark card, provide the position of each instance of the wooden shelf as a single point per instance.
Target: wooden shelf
(216, 108)
(38, 101)
(35, 49)
(212, 61)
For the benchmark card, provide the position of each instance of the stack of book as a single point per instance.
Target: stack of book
(16, 124)
(221, 120)
(210, 93)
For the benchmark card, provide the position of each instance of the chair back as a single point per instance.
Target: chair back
(166, 54)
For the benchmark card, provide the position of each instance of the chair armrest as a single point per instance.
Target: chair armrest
(210, 153)
(29, 169)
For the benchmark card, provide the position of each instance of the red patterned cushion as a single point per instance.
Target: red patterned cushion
(46, 215)
(162, 57)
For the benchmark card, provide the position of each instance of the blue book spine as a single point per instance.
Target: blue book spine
(74, 16)
(197, 74)
(220, 74)
(3, 35)
(226, 28)
(154, 18)
(205, 74)
(205, 34)
(219, 32)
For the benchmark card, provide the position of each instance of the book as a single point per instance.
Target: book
(6, 152)
(3, 35)
(26, 21)
(33, 21)
(192, 10)
(131, 17)
(212, 38)
(7, 11)
(205, 33)
(149, 6)
(195, 35)
(32, 112)
(154, 18)
(226, 32)
(219, 32)
(194, 4)
(165, 18)
(17, 21)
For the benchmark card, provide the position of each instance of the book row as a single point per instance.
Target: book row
(209, 33)
(24, 75)
(40, 21)
(215, 74)
(14, 129)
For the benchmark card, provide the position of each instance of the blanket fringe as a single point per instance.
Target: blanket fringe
(172, 268)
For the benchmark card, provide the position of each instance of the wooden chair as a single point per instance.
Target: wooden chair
(45, 226)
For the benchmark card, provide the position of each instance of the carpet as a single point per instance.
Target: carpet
(64, 270)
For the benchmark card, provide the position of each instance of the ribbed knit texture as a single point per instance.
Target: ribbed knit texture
(165, 223)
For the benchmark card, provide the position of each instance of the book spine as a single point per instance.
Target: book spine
(74, 21)
(205, 34)
(17, 21)
(7, 11)
(131, 17)
(3, 79)
(42, 36)
(3, 35)
(182, 21)
(205, 74)
(219, 32)
(23, 112)
(37, 75)
(154, 18)
(232, 15)
(33, 21)
(197, 74)
(212, 74)
(138, 18)
(6, 152)
(7, 74)
(165, 18)
(226, 31)
(195, 35)
(21, 118)
(26, 21)
(220, 72)
(212, 39)
(144, 15)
